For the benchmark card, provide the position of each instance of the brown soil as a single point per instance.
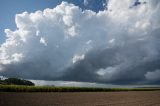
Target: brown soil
(133, 98)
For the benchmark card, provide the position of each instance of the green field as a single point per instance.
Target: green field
(19, 88)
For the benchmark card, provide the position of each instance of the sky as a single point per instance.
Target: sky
(87, 41)
(9, 8)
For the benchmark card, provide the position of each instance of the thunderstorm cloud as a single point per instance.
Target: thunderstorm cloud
(119, 45)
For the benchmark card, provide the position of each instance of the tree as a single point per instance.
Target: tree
(16, 81)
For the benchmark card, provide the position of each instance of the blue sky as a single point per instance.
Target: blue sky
(9, 8)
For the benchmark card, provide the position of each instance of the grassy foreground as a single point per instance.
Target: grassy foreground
(18, 88)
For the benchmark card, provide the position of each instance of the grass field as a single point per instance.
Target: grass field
(18, 88)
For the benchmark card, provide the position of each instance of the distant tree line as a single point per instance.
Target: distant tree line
(15, 81)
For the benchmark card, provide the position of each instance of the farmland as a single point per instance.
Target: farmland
(131, 98)
(13, 95)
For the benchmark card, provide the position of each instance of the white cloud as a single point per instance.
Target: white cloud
(153, 76)
(72, 84)
(107, 74)
(17, 57)
(85, 2)
(43, 41)
(77, 58)
(112, 43)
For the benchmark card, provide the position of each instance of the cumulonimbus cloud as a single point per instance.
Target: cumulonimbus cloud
(119, 45)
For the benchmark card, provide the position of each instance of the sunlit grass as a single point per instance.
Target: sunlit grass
(18, 88)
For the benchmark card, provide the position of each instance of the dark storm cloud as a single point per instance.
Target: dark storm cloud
(130, 62)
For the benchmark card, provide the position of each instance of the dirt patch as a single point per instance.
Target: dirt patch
(132, 98)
